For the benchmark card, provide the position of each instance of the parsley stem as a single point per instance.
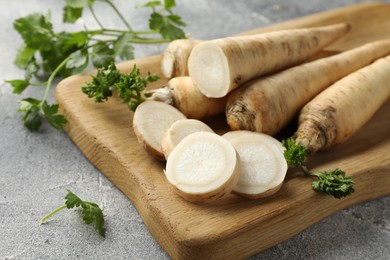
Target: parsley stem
(51, 78)
(135, 40)
(120, 15)
(95, 17)
(306, 171)
(43, 220)
(114, 32)
(41, 84)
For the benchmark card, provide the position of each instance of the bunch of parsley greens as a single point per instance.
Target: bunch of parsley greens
(333, 182)
(46, 54)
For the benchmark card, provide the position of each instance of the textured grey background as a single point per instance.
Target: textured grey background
(37, 168)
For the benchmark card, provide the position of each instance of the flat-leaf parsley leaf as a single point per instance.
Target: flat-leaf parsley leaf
(91, 212)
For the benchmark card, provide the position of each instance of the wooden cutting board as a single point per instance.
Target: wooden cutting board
(233, 227)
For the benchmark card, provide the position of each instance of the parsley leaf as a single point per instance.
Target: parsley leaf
(23, 57)
(168, 26)
(56, 120)
(32, 118)
(79, 3)
(294, 154)
(332, 182)
(74, 9)
(71, 14)
(78, 61)
(102, 55)
(19, 85)
(122, 48)
(152, 4)
(47, 54)
(35, 30)
(91, 212)
(31, 69)
(102, 84)
(60, 49)
(169, 4)
(34, 111)
(130, 86)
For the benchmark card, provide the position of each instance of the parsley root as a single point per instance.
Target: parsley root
(203, 167)
(219, 66)
(179, 130)
(262, 165)
(339, 111)
(175, 57)
(151, 121)
(270, 103)
(185, 96)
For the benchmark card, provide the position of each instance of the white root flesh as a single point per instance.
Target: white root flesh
(203, 167)
(151, 121)
(219, 66)
(179, 130)
(262, 164)
(239, 133)
(175, 57)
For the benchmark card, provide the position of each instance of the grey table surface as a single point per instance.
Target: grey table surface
(37, 168)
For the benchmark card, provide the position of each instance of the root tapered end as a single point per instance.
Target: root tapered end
(311, 136)
(239, 117)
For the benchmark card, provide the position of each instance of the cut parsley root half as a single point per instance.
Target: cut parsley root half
(262, 164)
(203, 167)
(179, 130)
(151, 121)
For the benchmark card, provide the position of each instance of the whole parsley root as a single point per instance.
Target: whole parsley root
(270, 103)
(182, 93)
(339, 111)
(91, 212)
(219, 66)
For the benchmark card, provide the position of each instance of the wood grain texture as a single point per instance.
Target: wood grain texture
(233, 227)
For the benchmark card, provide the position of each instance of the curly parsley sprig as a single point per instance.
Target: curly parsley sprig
(91, 212)
(47, 54)
(332, 182)
(130, 86)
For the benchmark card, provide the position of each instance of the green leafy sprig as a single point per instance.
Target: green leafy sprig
(130, 87)
(332, 182)
(47, 54)
(91, 212)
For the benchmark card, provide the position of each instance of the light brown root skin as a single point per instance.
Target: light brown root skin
(338, 112)
(239, 116)
(265, 194)
(218, 67)
(191, 102)
(268, 104)
(149, 149)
